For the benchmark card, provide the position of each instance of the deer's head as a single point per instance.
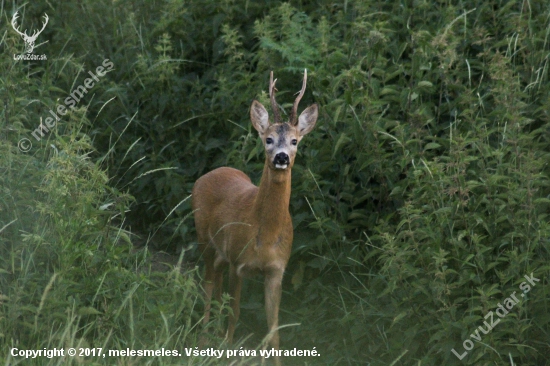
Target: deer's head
(281, 138)
(29, 40)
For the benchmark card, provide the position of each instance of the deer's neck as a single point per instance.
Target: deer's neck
(272, 201)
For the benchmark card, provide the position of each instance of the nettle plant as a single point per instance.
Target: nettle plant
(419, 200)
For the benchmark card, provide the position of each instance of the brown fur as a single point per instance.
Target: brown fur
(249, 228)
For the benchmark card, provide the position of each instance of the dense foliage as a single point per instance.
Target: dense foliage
(420, 201)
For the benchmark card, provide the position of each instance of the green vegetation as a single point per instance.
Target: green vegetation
(420, 201)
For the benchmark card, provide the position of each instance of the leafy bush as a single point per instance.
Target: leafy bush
(419, 201)
(69, 274)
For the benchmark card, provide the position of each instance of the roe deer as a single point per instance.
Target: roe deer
(247, 227)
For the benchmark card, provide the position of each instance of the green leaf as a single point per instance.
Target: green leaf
(341, 140)
(425, 84)
(431, 146)
(87, 310)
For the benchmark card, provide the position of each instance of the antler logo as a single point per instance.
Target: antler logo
(29, 40)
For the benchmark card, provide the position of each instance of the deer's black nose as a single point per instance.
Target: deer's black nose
(281, 158)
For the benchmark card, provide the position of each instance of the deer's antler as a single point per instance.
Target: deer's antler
(15, 27)
(294, 114)
(274, 106)
(36, 33)
(24, 34)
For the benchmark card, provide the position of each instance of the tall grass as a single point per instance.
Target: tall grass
(420, 201)
(69, 273)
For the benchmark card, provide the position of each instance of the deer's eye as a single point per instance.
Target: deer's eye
(269, 140)
(294, 142)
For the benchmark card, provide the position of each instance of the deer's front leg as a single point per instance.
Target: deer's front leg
(209, 283)
(235, 284)
(213, 280)
(273, 291)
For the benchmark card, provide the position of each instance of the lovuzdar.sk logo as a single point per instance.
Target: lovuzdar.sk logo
(29, 40)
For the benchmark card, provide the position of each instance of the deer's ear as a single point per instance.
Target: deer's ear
(307, 119)
(259, 117)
